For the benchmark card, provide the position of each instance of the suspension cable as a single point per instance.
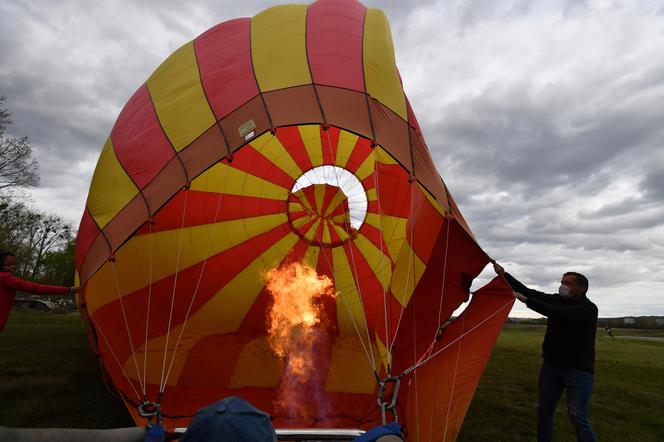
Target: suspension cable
(147, 312)
(162, 384)
(456, 370)
(352, 256)
(198, 283)
(115, 357)
(126, 324)
(422, 362)
(382, 258)
(410, 264)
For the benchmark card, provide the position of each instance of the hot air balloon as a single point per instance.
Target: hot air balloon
(269, 142)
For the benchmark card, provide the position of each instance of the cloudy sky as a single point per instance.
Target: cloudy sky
(545, 118)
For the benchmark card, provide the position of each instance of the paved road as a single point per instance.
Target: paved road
(642, 338)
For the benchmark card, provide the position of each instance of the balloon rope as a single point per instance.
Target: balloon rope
(417, 401)
(147, 312)
(352, 257)
(428, 358)
(198, 284)
(162, 383)
(356, 278)
(131, 384)
(411, 264)
(352, 318)
(442, 287)
(126, 324)
(456, 370)
(382, 258)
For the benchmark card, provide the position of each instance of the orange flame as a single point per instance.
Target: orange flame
(297, 333)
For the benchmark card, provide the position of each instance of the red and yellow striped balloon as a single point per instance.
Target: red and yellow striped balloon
(285, 137)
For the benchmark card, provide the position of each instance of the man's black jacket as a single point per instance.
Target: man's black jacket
(570, 332)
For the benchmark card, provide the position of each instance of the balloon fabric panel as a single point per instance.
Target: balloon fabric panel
(111, 188)
(139, 141)
(278, 48)
(179, 99)
(267, 142)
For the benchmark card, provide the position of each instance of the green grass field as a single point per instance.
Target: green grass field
(49, 378)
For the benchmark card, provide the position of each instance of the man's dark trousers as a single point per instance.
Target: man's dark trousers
(552, 382)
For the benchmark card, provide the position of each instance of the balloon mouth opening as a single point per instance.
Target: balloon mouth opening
(327, 205)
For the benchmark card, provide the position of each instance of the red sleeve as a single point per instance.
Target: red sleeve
(20, 285)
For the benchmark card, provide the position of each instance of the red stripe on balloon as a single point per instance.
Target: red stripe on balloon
(209, 207)
(428, 224)
(291, 139)
(361, 151)
(393, 191)
(329, 140)
(218, 271)
(252, 161)
(139, 141)
(368, 285)
(310, 195)
(375, 237)
(334, 236)
(256, 320)
(224, 62)
(330, 192)
(334, 43)
(87, 233)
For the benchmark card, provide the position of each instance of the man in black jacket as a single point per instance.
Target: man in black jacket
(568, 350)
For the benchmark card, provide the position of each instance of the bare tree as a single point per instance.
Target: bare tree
(17, 167)
(35, 237)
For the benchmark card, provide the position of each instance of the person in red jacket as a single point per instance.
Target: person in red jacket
(10, 284)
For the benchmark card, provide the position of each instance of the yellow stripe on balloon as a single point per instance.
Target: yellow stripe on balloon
(383, 353)
(311, 256)
(366, 168)
(311, 233)
(349, 304)
(350, 371)
(257, 366)
(393, 229)
(224, 178)
(378, 261)
(294, 207)
(155, 357)
(271, 148)
(327, 238)
(178, 97)
(224, 312)
(310, 135)
(432, 200)
(337, 199)
(380, 71)
(319, 197)
(340, 231)
(408, 270)
(382, 156)
(278, 47)
(111, 188)
(345, 147)
(133, 258)
(301, 221)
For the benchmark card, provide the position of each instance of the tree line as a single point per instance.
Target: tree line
(43, 242)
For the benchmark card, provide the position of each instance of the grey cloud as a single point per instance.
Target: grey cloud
(527, 147)
(653, 185)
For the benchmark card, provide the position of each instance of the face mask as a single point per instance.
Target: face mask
(564, 293)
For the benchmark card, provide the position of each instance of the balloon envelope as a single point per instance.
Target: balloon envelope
(281, 138)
